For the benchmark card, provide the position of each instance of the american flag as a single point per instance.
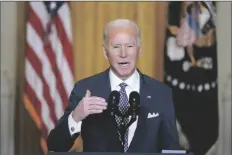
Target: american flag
(49, 73)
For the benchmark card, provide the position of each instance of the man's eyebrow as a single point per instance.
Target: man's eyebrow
(115, 44)
(131, 43)
(122, 44)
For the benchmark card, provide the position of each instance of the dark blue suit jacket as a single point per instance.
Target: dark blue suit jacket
(99, 132)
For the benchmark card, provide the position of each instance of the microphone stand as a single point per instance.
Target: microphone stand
(133, 111)
(122, 130)
(123, 126)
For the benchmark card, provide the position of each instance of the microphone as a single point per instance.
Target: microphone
(134, 101)
(113, 100)
(134, 110)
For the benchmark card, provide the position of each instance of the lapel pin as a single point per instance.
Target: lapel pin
(149, 97)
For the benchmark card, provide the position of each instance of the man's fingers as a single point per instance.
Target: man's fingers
(97, 107)
(99, 103)
(94, 111)
(88, 93)
(95, 98)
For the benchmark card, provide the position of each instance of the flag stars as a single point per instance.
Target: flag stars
(169, 78)
(207, 86)
(193, 87)
(213, 84)
(182, 85)
(200, 88)
(174, 82)
(186, 86)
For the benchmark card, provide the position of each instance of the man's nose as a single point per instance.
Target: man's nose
(123, 52)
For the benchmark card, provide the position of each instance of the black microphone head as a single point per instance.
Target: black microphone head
(114, 97)
(134, 99)
(113, 101)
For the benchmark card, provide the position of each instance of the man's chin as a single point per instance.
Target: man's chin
(125, 74)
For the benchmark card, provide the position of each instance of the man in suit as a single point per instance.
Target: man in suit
(86, 114)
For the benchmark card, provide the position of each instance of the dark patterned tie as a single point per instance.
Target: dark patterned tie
(123, 107)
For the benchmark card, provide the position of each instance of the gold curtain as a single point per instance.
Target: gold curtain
(88, 21)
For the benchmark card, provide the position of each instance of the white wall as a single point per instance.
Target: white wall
(224, 76)
(8, 75)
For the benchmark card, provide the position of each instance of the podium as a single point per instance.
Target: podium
(113, 153)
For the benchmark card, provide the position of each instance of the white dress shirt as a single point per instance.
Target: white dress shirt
(133, 83)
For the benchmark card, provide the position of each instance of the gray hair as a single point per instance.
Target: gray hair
(121, 23)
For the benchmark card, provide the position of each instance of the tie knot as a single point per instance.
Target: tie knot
(123, 85)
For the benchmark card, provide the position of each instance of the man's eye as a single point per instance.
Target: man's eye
(115, 46)
(130, 46)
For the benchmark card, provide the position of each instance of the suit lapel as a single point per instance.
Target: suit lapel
(102, 87)
(141, 125)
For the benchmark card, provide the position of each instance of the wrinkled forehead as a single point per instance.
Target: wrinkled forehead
(123, 34)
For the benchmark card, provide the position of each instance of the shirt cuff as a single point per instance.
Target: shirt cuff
(74, 127)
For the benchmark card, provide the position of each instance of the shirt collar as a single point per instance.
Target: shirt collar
(115, 81)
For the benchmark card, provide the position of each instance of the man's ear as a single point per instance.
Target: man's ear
(104, 48)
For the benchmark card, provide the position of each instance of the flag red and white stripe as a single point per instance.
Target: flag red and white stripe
(49, 73)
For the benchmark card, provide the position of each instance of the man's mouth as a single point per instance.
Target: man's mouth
(123, 64)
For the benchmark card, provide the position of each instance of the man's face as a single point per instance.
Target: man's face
(122, 51)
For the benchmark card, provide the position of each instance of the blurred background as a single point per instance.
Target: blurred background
(47, 46)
